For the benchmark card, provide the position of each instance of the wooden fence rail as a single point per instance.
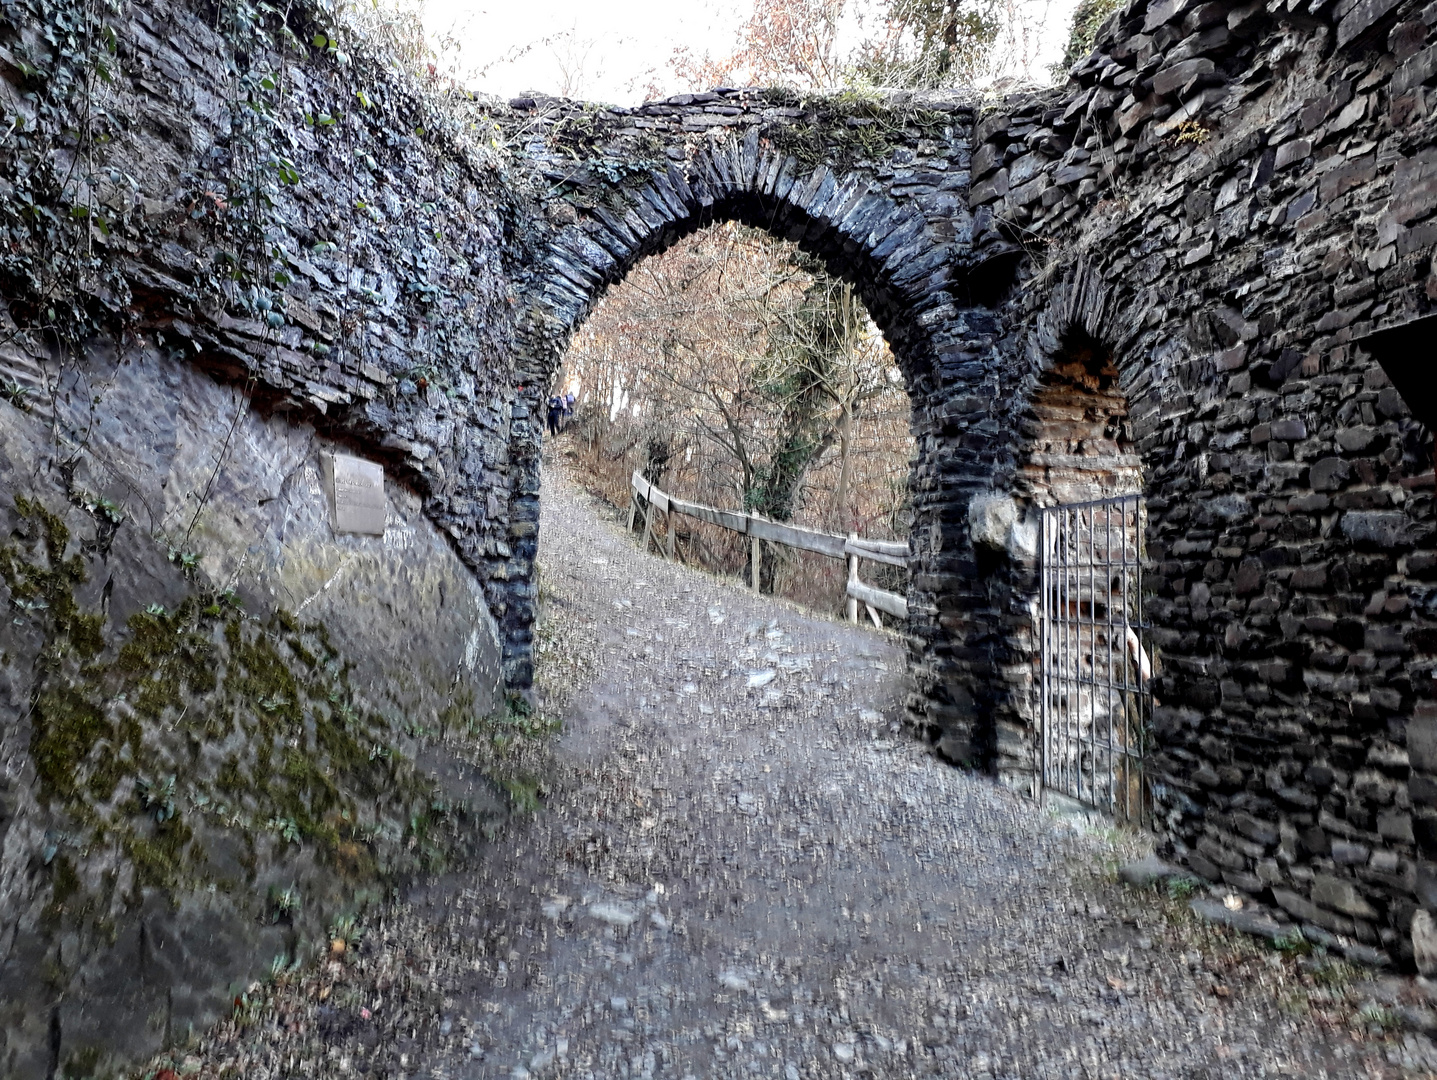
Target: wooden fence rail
(851, 547)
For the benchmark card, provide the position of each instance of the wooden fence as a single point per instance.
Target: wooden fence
(758, 529)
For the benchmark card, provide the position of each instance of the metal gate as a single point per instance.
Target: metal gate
(1096, 671)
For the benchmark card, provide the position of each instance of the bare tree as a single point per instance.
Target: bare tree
(750, 379)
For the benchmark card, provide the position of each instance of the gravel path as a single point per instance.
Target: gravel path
(749, 872)
(744, 869)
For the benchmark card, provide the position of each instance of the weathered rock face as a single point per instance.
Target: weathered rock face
(200, 780)
(200, 470)
(220, 719)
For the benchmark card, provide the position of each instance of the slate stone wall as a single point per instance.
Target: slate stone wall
(221, 722)
(1222, 203)
(1231, 198)
(346, 258)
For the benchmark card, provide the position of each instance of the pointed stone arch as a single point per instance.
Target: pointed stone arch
(1081, 396)
(903, 240)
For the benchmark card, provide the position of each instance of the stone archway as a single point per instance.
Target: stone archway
(1073, 403)
(891, 219)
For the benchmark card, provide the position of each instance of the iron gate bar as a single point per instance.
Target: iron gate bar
(1091, 658)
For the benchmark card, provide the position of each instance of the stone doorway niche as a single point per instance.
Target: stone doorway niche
(1075, 446)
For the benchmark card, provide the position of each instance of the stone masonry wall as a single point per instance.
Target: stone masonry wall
(304, 224)
(1168, 267)
(1230, 197)
(1221, 203)
(222, 725)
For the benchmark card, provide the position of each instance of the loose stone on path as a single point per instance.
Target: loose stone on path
(736, 877)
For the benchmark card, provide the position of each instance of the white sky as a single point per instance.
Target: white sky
(617, 50)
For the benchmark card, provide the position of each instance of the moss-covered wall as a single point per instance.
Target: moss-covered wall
(233, 240)
(198, 780)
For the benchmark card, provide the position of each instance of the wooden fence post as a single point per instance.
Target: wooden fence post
(853, 577)
(648, 524)
(758, 529)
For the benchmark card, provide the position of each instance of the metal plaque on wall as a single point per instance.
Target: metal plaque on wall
(355, 489)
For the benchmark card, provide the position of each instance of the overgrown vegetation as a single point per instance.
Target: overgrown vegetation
(918, 44)
(201, 722)
(1087, 20)
(851, 126)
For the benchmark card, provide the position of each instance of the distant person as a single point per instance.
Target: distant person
(556, 414)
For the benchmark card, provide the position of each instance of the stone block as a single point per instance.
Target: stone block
(1346, 853)
(1396, 825)
(1415, 71)
(986, 159)
(1221, 855)
(1232, 359)
(1203, 866)
(1339, 181)
(1295, 905)
(1029, 192)
(1329, 474)
(995, 187)
(1169, 80)
(1378, 528)
(1361, 17)
(1255, 829)
(1340, 895)
(1291, 152)
(1424, 942)
(1165, 11)
(957, 748)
